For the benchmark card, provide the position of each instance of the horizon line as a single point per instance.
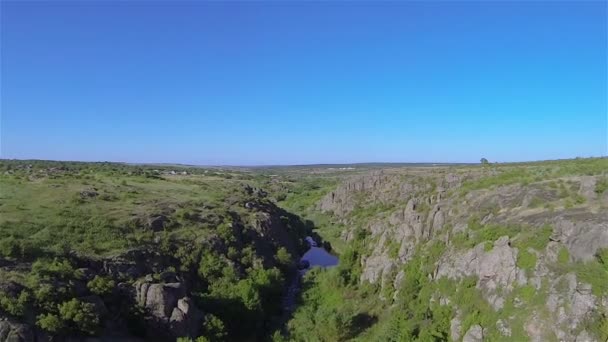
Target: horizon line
(296, 165)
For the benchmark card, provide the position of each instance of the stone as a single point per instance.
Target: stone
(475, 334)
(455, 328)
(583, 239)
(173, 312)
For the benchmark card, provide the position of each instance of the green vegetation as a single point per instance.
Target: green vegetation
(60, 222)
(71, 316)
(14, 306)
(478, 233)
(77, 239)
(595, 272)
(601, 186)
(101, 285)
(526, 260)
(563, 256)
(525, 173)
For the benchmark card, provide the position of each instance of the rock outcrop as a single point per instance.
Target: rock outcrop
(496, 269)
(474, 334)
(170, 309)
(410, 211)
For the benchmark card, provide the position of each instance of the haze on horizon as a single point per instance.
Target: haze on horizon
(267, 83)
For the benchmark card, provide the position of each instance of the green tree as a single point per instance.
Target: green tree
(213, 328)
(82, 315)
(283, 257)
(50, 323)
(101, 285)
(14, 306)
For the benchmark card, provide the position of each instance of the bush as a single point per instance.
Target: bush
(283, 257)
(601, 186)
(80, 315)
(56, 268)
(101, 285)
(11, 247)
(14, 306)
(213, 328)
(595, 272)
(563, 256)
(536, 238)
(50, 323)
(526, 260)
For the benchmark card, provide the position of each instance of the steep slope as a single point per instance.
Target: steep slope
(127, 253)
(514, 252)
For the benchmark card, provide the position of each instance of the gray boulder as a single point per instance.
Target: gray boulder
(475, 334)
(172, 311)
(455, 328)
(583, 238)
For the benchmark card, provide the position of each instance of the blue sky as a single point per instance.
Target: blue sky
(303, 82)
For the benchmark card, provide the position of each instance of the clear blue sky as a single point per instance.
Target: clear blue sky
(308, 82)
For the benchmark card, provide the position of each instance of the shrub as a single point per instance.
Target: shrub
(56, 268)
(594, 272)
(393, 249)
(602, 257)
(50, 323)
(11, 247)
(526, 293)
(601, 186)
(213, 328)
(283, 257)
(563, 256)
(578, 199)
(526, 260)
(536, 238)
(14, 306)
(101, 285)
(80, 315)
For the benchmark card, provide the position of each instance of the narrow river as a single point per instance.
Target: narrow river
(314, 257)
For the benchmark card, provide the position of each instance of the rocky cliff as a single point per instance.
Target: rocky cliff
(532, 240)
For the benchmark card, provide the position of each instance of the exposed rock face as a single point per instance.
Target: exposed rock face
(341, 200)
(583, 238)
(572, 307)
(420, 215)
(475, 334)
(496, 269)
(160, 299)
(170, 308)
(272, 232)
(185, 319)
(455, 328)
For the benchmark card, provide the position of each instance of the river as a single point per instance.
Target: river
(315, 257)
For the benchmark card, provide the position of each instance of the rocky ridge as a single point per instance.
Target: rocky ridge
(563, 218)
